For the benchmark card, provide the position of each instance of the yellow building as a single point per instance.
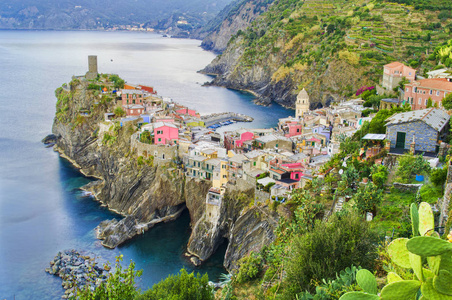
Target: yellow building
(220, 174)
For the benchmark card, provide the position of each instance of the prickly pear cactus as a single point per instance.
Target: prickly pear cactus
(399, 254)
(443, 282)
(416, 265)
(367, 281)
(359, 296)
(414, 219)
(393, 277)
(426, 221)
(428, 246)
(400, 290)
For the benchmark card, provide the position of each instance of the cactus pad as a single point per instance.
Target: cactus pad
(414, 219)
(393, 277)
(434, 263)
(430, 293)
(358, 296)
(443, 282)
(399, 254)
(428, 246)
(401, 290)
(367, 281)
(426, 221)
(446, 261)
(416, 264)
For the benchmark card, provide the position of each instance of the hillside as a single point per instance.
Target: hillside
(83, 14)
(236, 16)
(331, 48)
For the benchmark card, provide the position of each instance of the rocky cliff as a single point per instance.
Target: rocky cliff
(143, 190)
(238, 15)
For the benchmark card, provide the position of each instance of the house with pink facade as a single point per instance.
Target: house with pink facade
(418, 92)
(186, 111)
(393, 74)
(165, 133)
(235, 139)
(130, 97)
(293, 129)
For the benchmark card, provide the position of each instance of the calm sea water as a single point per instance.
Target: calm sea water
(41, 209)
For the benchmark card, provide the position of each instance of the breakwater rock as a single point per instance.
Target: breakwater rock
(76, 270)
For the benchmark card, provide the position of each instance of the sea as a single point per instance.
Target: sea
(42, 209)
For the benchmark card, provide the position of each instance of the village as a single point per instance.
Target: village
(278, 160)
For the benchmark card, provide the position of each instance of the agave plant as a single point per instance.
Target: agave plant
(425, 248)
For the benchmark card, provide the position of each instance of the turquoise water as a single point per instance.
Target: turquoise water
(41, 209)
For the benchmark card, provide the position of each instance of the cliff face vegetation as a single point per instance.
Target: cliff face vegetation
(331, 48)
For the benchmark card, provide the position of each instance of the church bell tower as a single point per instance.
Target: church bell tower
(302, 104)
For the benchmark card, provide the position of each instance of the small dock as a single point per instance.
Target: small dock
(216, 120)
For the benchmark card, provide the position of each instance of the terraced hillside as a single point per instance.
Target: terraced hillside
(332, 47)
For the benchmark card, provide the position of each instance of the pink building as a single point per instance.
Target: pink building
(186, 111)
(165, 133)
(295, 170)
(235, 139)
(130, 97)
(393, 74)
(134, 109)
(293, 129)
(418, 92)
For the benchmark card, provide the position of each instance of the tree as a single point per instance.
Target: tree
(183, 286)
(119, 112)
(447, 101)
(379, 175)
(368, 198)
(326, 250)
(410, 165)
(429, 102)
(119, 285)
(145, 137)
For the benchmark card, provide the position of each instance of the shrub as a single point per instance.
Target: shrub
(326, 250)
(438, 177)
(119, 112)
(249, 267)
(119, 285)
(182, 286)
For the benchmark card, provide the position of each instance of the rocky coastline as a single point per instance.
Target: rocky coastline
(77, 270)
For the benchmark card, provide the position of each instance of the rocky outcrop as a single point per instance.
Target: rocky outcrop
(76, 270)
(247, 228)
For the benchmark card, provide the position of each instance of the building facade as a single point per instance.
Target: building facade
(419, 92)
(394, 72)
(302, 103)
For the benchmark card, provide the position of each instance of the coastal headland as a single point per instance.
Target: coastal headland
(146, 178)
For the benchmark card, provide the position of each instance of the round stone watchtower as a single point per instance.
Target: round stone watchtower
(302, 104)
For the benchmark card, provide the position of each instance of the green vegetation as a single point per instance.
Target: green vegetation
(118, 82)
(119, 112)
(349, 38)
(410, 166)
(145, 137)
(119, 285)
(183, 286)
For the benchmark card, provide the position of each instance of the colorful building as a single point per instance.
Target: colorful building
(418, 92)
(235, 139)
(129, 97)
(394, 72)
(165, 133)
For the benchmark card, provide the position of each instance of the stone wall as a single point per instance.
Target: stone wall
(161, 153)
(425, 136)
(414, 188)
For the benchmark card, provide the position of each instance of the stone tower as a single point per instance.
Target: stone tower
(92, 67)
(302, 104)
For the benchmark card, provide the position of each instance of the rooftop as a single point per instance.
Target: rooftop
(161, 124)
(433, 83)
(434, 117)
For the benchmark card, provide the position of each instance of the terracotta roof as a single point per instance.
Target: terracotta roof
(394, 65)
(433, 83)
(277, 171)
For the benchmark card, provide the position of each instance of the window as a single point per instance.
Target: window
(426, 101)
(437, 93)
(131, 111)
(409, 74)
(298, 129)
(431, 92)
(407, 90)
(224, 176)
(420, 101)
(159, 131)
(254, 164)
(159, 139)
